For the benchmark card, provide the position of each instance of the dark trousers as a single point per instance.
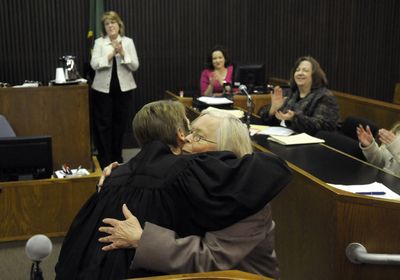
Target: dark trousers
(111, 116)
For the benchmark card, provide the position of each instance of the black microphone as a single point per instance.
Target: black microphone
(37, 248)
(243, 89)
(249, 103)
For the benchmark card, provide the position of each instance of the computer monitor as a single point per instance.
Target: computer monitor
(250, 75)
(25, 158)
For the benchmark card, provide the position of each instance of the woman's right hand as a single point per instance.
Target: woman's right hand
(210, 87)
(277, 100)
(106, 172)
(364, 135)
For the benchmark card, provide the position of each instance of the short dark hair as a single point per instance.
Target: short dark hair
(160, 120)
(318, 75)
(209, 63)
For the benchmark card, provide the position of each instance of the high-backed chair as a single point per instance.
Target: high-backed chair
(341, 142)
(350, 124)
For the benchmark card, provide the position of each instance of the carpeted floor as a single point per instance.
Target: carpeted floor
(14, 264)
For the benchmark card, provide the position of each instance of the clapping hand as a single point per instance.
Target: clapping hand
(118, 49)
(277, 100)
(288, 116)
(385, 136)
(364, 135)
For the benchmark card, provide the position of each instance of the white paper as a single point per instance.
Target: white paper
(237, 113)
(215, 100)
(301, 138)
(26, 85)
(369, 188)
(75, 173)
(276, 130)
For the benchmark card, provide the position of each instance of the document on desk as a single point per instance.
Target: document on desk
(374, 189)
(297, 139)
(215, 100)
(237, 113)
(270, 130)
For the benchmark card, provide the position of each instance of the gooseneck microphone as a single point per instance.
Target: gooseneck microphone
(37, 248)
(249, 104)
(243, 89)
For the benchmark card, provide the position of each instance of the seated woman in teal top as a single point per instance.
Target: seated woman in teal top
(218, 70)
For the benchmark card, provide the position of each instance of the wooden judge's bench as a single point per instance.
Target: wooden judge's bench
(48, 206)
(316, 222)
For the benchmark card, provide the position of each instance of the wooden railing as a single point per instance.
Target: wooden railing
(383, 114)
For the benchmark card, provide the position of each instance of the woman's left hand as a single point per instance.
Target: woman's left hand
(118, 48)
(386, 136)
(288, 116)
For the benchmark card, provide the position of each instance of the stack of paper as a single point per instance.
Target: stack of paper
(215, 100)
(237, 113)
(270, 130)
(302, 138)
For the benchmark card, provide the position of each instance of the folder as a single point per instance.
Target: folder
(297, 139)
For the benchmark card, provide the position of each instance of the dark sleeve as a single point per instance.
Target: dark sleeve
(221, 191)
(324, 115)
(266, 118)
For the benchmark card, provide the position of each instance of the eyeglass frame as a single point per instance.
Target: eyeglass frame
(197, 138)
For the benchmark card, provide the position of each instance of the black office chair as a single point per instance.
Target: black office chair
(341, 142)
(350, 124)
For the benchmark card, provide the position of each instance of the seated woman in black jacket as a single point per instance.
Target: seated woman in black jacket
(307, 106)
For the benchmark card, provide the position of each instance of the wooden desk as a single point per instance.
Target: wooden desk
(221, 275)
(238, 100)
(59, 111)
(315, 222)
(43, 206)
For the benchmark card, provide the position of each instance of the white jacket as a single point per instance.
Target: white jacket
(386, 157)
(103, 67)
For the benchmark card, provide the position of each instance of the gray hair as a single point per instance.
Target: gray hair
(232, 135)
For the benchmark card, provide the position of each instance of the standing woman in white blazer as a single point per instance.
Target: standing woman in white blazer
(114, 59)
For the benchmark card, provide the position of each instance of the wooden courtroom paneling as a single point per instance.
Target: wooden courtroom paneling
(60, 111)
(383, 114)
(259, 100)
(240, 101)
(315, 223)
(355, 41)
(213, 275)
(374, 225)
(43, 206)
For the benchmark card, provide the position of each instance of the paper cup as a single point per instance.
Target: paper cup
(60, 76)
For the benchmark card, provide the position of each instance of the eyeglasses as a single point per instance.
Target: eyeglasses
(197, 137)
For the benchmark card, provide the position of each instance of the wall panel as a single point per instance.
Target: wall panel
(356, 41)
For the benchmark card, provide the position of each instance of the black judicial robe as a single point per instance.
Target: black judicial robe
(190, 194)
